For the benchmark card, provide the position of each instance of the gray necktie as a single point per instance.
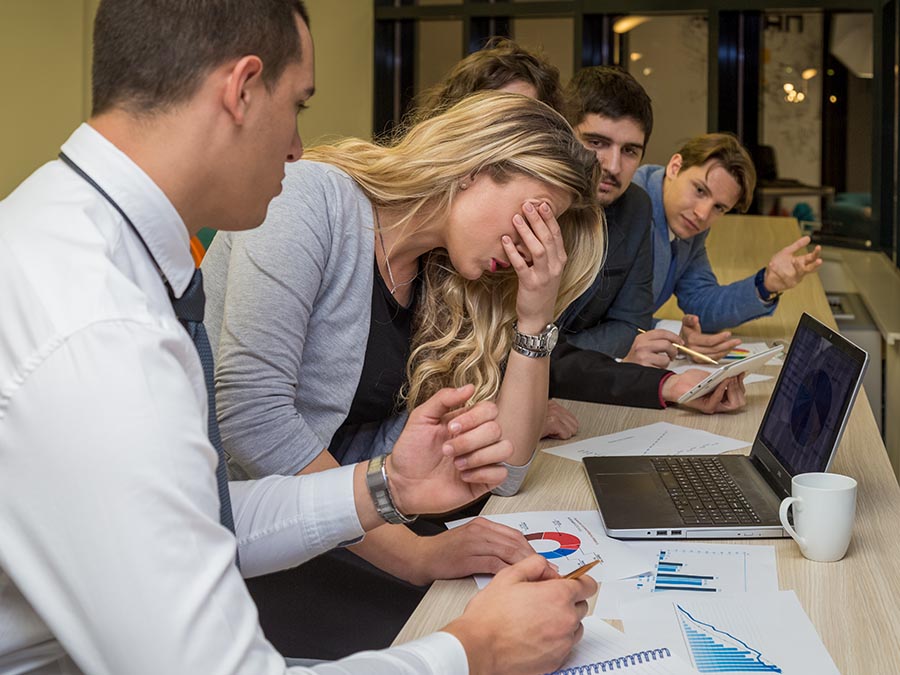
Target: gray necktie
(189, 310)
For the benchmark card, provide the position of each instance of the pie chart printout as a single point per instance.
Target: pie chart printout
(811, 407)
(553, 544)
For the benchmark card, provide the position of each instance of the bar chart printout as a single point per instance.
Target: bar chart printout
(692, 568)
(717, 651)
(675, 572)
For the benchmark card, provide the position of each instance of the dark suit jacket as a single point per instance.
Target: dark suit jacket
(585, 375)
(603, 321)
(605, 318)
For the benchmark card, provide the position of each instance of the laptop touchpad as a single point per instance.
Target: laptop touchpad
(633, 499)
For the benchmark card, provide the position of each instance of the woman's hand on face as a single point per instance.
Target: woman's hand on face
(539, 280)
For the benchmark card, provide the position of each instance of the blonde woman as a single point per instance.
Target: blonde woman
(384, 273)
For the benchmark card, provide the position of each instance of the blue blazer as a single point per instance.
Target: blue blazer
(694, 283)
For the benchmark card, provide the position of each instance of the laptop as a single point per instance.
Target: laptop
(734, 496)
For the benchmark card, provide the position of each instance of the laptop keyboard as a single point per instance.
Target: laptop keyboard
(703, 491)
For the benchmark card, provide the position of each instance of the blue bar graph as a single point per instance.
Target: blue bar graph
(716, 651)
(670, 576)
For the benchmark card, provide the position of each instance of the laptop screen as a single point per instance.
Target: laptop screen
(808, 407)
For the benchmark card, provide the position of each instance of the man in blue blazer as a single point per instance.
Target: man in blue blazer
(711, 175)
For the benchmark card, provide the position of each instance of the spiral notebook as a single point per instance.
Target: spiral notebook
(604, 649)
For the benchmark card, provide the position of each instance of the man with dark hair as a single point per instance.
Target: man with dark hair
(121, 537)
(612, 115)
(711, 175)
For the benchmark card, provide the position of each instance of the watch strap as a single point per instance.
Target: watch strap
(534, 346)
(764, 293)
(380, 491)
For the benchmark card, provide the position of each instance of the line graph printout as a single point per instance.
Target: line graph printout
(692, 569)
(660, 438)
(741, 633)
(570, 539)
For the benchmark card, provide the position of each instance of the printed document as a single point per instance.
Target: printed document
(661, 438)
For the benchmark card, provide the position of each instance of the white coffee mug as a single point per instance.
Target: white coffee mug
(824, 506)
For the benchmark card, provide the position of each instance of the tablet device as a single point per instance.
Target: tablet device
(745, 365)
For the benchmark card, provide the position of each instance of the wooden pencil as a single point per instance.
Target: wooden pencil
(581, 570)
(687, 350)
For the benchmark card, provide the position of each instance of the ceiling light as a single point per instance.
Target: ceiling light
(627, 23)
(809, 73)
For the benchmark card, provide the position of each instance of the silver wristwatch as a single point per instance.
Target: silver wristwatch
(377, 482)
(535, 346)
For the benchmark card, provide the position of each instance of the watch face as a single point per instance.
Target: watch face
(552, 337)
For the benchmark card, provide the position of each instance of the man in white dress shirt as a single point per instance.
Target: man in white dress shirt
(112, 556)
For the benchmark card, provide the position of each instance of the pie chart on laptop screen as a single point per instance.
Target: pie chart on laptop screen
(811, 406)
(553, 544)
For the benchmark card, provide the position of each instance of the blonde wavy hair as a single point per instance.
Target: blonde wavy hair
(463, 329)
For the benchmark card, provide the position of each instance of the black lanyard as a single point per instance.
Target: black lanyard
(90, 181)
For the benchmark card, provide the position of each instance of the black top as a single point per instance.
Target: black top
(384, 368)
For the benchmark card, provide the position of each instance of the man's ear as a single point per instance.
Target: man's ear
(243, 84)
(674, 166)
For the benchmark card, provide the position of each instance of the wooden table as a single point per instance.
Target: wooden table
(855, 603)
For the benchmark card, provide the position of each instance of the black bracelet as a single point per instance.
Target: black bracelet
(764, 293)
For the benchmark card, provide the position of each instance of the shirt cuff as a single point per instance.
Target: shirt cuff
(514, 478)
(443, 653)
(662, 401)
(335, 487)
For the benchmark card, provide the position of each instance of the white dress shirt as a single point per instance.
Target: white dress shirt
(112, 558)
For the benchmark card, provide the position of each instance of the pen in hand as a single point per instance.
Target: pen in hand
(582, 570)
(687, 350)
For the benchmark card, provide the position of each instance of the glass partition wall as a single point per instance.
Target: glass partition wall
(810, 89)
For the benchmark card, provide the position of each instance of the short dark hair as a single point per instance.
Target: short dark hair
(611, 92)
(726, 151)
(498, 64)
(152, 54)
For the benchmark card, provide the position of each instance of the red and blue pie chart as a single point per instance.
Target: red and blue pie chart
(554, 544)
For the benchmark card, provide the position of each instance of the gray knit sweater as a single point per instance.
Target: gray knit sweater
(288, 307)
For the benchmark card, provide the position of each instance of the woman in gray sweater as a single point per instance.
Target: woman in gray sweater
(383, 273)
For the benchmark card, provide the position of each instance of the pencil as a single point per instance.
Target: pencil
(581, 570)
(686, 350)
